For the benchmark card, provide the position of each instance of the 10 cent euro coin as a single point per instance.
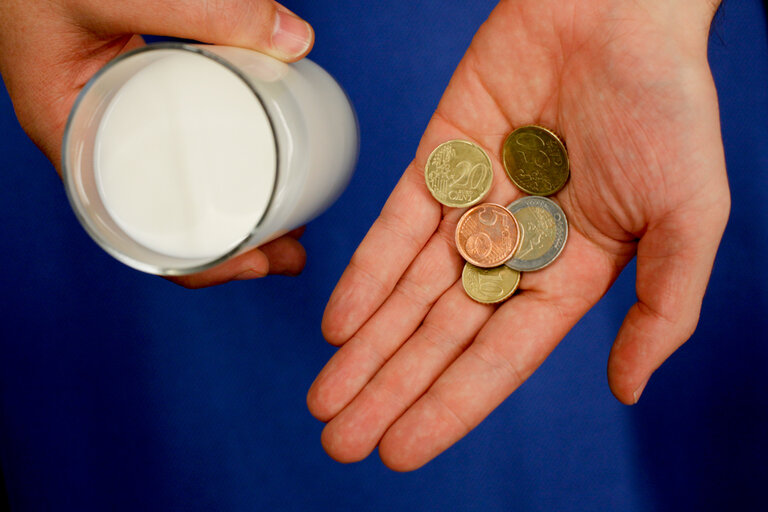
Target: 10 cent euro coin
(489, 285)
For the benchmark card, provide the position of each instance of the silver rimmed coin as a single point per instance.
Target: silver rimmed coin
(544, 231)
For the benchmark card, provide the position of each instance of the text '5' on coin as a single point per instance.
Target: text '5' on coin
(536, 160)
(458, 173)
(487, 235)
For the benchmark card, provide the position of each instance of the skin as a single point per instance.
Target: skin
(49, 49)
(625, 83)
(628, 87)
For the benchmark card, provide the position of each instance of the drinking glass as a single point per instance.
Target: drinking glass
(312, 122)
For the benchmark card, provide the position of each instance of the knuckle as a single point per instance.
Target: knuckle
(368, 278)
(393, 392)
(446, 233)
(442, 339)
(395, 223)
(372, 352)
(450, 413)
(416, 293)
(239, 21)
(498, 363)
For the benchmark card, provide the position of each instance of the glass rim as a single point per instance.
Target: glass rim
(69, 181)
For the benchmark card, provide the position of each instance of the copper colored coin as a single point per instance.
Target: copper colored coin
(487, 235)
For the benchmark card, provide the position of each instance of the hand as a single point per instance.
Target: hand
(50, 49)
(628, 86)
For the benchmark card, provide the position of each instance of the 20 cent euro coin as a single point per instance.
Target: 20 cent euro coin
(458, 173)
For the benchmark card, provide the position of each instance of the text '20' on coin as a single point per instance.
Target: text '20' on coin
(487, 235)
(489, 285)
(536, 160)
(458, 173)
(543, 232)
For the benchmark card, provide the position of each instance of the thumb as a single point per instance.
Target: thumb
(262, 25)
(674, 261)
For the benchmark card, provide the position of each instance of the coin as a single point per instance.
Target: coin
(489, 285)
(543, 232)
(536, 160)
(487, 235)
(458, 173)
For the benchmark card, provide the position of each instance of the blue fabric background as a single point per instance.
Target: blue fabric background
(120, 391)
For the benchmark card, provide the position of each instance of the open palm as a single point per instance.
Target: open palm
(631, 93)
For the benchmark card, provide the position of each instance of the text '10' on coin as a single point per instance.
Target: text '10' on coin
(489, 285)
(487, 235)
(543, 233)
(536, 160)
(458, 173)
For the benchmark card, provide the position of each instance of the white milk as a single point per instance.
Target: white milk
(317, 135)
(185, 157)
(177, 157)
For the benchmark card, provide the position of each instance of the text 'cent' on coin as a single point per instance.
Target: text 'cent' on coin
(458, 173)
(543, 232)
(487, 235)
(489, 285)
(536, 160)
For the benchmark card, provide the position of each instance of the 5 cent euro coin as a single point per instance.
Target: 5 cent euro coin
(487, 235)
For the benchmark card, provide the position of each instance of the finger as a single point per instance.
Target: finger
(250, 265)
(297, 233)
(385, 253)
(261, 25)
(674, 261)
(503, 355)
(511, 345)
(411, 215)
(433, 272)
(284, 255)
(352, 310)
(355, 432)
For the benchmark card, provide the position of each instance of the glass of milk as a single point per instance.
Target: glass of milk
(177, 157)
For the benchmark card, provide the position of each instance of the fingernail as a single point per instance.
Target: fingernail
(639, 391)
(291, 36)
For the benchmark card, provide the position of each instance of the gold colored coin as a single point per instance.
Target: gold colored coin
(489, 285)
(536, 160)
(458, 173)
